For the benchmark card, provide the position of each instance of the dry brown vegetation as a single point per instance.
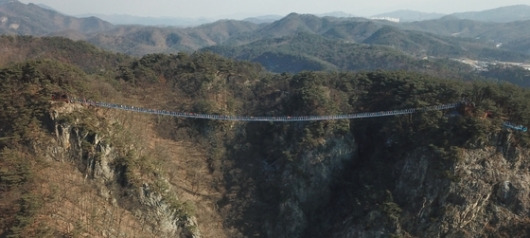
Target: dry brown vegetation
(74, 170)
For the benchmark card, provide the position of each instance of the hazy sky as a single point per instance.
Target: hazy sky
(246, 8)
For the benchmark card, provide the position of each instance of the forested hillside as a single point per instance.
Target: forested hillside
(297, 53)
(448, 37)
(30, 19)
(71, 169)
(17, 49)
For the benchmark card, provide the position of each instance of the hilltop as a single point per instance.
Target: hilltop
(31, 19)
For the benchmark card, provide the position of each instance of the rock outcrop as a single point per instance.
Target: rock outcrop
(469, 192)
(102, 163)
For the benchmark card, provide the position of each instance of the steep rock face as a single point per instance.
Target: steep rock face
(484, 188)
(101, 163)
(463, 193)
(168, 222)
(306, 186)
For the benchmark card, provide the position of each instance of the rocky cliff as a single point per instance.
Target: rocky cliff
(90, 142)
(331, 185)
(72, 169)
(468, 192)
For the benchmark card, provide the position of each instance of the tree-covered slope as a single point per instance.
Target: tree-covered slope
(18, 49)
(70, 169)
(449, 36)
(508, 36)
(141, 40)
(30, 19)
(306, 179)
(426, 44)
(298, 52)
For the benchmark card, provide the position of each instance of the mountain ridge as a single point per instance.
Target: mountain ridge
(31, 19)
(502, 14)
(444, 37)
(410, 15)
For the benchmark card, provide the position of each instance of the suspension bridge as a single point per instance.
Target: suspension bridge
(265, 118)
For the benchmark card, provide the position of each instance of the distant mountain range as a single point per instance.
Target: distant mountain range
(152, 21)
(318, 42)
(31, 19)
(499, 15)
(502, 14)
(409, 16)
(263, 19)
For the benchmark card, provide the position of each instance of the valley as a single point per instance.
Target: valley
(297, 126)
